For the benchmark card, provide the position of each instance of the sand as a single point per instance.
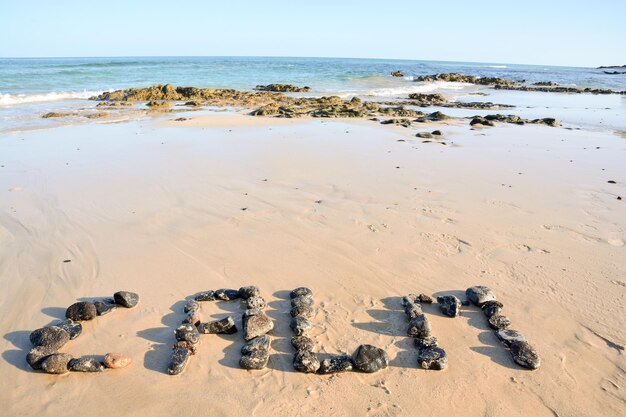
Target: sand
(360, 213)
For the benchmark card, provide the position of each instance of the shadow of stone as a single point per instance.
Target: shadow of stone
(17, 357)
(54, 312)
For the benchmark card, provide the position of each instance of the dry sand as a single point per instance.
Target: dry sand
(344, 208)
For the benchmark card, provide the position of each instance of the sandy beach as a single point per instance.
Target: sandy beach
(360, 213)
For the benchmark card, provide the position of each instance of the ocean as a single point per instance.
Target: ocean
(30, 87)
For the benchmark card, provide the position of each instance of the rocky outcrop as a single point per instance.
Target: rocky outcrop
(558, 89)
(511, 118)
(461, 78)
(282, 88)
(397, 74)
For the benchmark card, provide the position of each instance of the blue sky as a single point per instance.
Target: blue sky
(557, 32)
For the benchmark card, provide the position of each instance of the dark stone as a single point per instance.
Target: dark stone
(508, 336)
(525, 355)
(302, 343)
(424, 135)
(491, 308)
(258, 343)
(185, 345)
(480, 294)
(300, 325)
(303, 310)
(178, 361)
(187, 332)
(104, 308)
(370, 359)
(192, 318)
(256, 301)
(409, 299)
(424, 299)
(51, 337)
(37, 355)
(478, 120)
(191, 306)
(126, 298)
(249, 291)
(227, 294)
(433, 358)
(397, 74)
(398, 122)
(257, 359)
(256, 325)
(85, 364)
(56, 363)
(419, 327)
(335, 365)
(223, 326)
(300, 292)
(499, 322)
(436, 133)
(80, 311)
(306, 361)
(282, 88)
(449, 305)
(74, 328)
(413, 310)
(302, 301)
(205, 296)
(426, 343)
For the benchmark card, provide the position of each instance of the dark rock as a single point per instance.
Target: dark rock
(191, 306)
(256, 301)
(508, 336)
(180, 119)
(258, 343)
(491, 308)
(433, 358)
(205, 296)
(426, 100)
(425, 343)
(178, 361)
(461, 78)
(409, 299)
(480, 294)
(282, 88)
(187, 332)
(525, 355)
(37, 355)
(478, 120)
(300, 325)
(335, 365)
(74, 328)
(256, 325)
(223, 326)
(499, 322)
(80, 311)
(302, 301)
(424, 299)
(185, 345)
(303, 310)
(192, 318)
(302, 343)
(85, 364)
(449, 305)
(227, 294)
(397, 74)
(424, 135)
(257, 359)
(126, 298)
(306, 361)
(249, 291)
(398, 122)
(546, 83)
(413, 310)
(56, 363)
(370, 359)
(104, 308)
(436, 133)
(301, 292)
(51, 337)
(419, 327)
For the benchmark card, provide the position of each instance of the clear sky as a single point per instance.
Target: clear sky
(556, 32)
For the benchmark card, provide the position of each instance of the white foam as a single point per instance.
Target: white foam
(414, 88)
(496, 66)
(13, 99)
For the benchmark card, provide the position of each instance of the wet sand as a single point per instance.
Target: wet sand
(360, 213)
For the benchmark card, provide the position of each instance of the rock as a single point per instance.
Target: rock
(302, 301)
(256, 301)
(499, 322)
(397, 74)
(85, 364)
(157, 104)
(116, 360)
(525, 355)
(187, 332)
(282, 88)
(301, 292)
(336, 364)
(491, 308)
(56, 114)
(419, 327)
(255, 360)
(302, 343)
(72, 327)
(398, 122)
(300, 325)
(409, 299)
(223, 326)
(191, 306)
(256, 325)
(433, 358)
(549, 121)
(508, 336)
(449, 305)
(186, 345)
(227, 294)
(103, 307)
(370, 359)
(303, 310)
(181, 119)
(37, 355)
(426, 100)
(52, 337)
(56, 363)
(205, 296)
(80, 311)
(258, 343)
(436, 133)
(126, 298)
(480, 294)
(461, 78)
(178, 361)
(249, 291)
(306, 361)
(413, 310)
(424, 299)
(426, 343)
(192, 318)
(478, 120)
(424, 135)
